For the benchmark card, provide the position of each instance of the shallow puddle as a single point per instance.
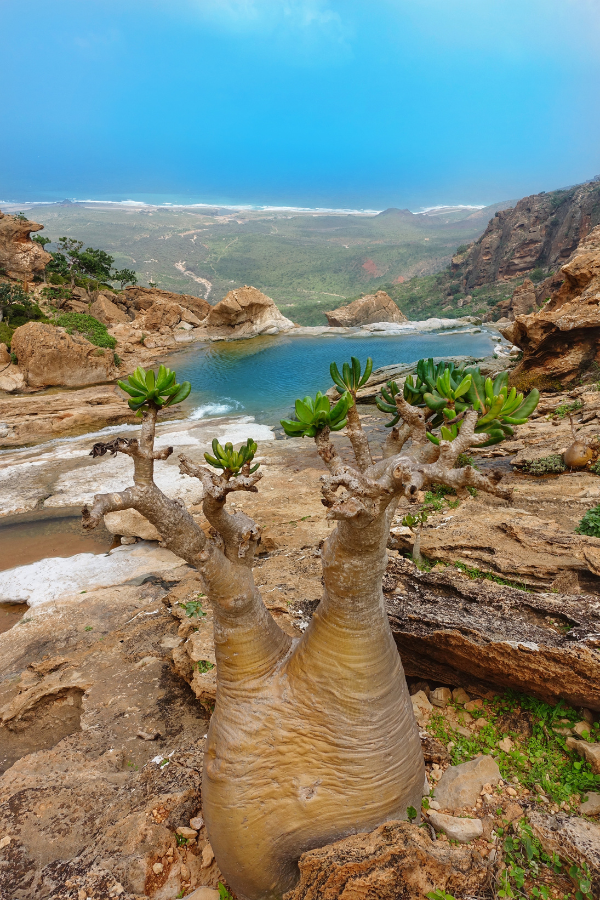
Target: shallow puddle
(10, 614)
(37, 535)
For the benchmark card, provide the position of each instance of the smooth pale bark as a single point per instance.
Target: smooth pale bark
(311, 739)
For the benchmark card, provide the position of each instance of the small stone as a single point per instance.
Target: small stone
(590, 752)
(185, 872)
(561, 730)
(204, 893)
(459, 695)
(465, 717)
(433, 804)
(190, 833)
(157, 868)
(461, 830)
(81, 894)
(207, 856)
(582, 729)
(480, 723)
(420, 704)
(588, 715)
(460, 785)
(473, 704)
(506, 744)
(441, 696)
(5, 841)
(591, 807)
(511, 792)
(462, 730)
(196, 823)
(148, 735)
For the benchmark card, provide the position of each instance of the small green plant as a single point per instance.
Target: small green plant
(590, 523)
(224, 893)
(91, 329)
(350, 379)
(566, 409)
(411, 813)
(464, 459)
(204, 666)
(181, 840)
(595, 467)
(231, 461)
(314, 415)
(149, 390)
(462, 249)
(439, 895)
(13, 358)
(537, 275)
(117, 360)
(89, 627)
(472, 572)
(546, 465)
(193, 608)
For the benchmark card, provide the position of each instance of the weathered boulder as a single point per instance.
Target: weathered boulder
(371, 308)
(5, 357)
(244, 313)
(143, 298)
(396, 860)
(591, 806)
(571, 838)
(106, 311)
(454, 630)
(20, 257)
(12, 378)
(49, 356)
(460, 786)
(162, 314)
(457, 829)
(522, 302)
(561, 341)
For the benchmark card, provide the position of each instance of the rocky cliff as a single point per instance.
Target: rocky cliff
(20, 257)
(367, 310)
(245, 313)
(541, 231)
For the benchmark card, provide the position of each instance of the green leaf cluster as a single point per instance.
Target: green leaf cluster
(149, 390)
(91, 329)
(314, 415)
(590, 523)
(230, 460)
(446, 392)
(351, 379)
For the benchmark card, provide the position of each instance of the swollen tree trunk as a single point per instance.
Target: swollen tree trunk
(311, 739)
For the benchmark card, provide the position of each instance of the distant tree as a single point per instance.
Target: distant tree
(95, 264)
(124, 276)
(21, 217)
(69, 250)
(42, 241)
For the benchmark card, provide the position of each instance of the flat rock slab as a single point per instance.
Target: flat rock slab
(461, 830)
(396, 860)
(483, 636)
(591, 807)
(460, 786)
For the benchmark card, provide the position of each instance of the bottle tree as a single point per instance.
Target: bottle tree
(311, 738)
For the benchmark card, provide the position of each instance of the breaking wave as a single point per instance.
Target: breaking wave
(221, 408)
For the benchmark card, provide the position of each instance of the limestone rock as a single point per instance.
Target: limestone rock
(451, 629)
(131, 523)
(106, 311)
(591, 806)
(522, 302)
(570, 838)
(460, 786)
(371, 308)
(162, 314)
(12, 378)
(204, 893)
(143, 298)
(244, 313)
(590, 752)
(20, 257)
(396, 860)
(5, 358)
(561, 340)
(49, 356)
(31, 418)
(461, 830)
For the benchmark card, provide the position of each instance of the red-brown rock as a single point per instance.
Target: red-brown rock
(49, 356)
(20, 257)
(243, 313)
(143, 298)
(367, 310)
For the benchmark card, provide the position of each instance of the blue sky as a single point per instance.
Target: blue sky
(346, 103)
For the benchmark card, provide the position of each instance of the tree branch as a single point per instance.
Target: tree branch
(358, 438)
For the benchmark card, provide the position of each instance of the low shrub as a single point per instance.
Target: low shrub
(546, 465)
(590, 523)
(95, 332)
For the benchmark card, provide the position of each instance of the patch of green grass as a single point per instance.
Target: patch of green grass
(472, 572)
(224, 893)
(436, 497)
(91, 329)
(590, 523)
(566, 409)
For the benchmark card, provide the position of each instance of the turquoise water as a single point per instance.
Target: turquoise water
(263, 377)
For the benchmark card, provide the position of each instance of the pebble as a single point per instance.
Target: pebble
(196, 823)
(511, 792)
(189, 833)
(459, 695)
(441, 696)
(461, 830)
(207, 856)
(5, 842)
(433, 804)
(473, 704)
(591, 807)
(157, 868)
(506, 744)
(581, 728)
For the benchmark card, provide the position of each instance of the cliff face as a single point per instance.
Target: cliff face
(540, 231)
(20, 257)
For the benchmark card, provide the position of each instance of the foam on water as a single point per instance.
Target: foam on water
(220, 408)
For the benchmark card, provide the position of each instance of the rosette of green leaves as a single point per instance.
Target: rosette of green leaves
(230, 460)
(161, 390)
(314, 415)
(351, 379)
(423, 384)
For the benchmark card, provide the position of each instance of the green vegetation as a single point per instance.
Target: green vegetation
(193, 608)
(16, 308)
(537, 275)
(590, 523)
(233, 462)
(566, 409)
(204, 666)
(148, 390)
(540, 761)
(313, 415)
(472, 572)
(91, 329)
(224, 893)
(545, 465)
